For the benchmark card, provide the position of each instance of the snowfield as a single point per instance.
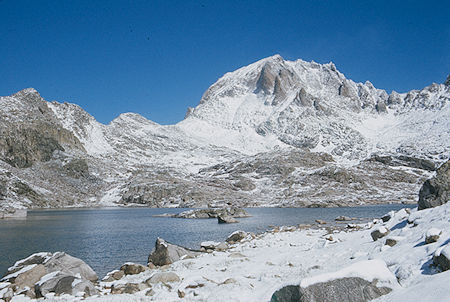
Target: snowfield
(260, 265)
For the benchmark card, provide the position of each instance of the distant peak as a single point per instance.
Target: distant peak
(29, 94)
(447, 81)
(26, 91)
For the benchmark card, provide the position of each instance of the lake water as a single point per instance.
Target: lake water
(107, 238)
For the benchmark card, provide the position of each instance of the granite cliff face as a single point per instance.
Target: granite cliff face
(274, 133)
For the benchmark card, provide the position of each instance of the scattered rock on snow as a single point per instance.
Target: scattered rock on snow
(57, 273)
(288, 293)
(167, 253)
(432, 235)
(63, 283)
(378, 233)
(237, 236)
(441, 257)
(436, 191)
(165, 277)
(133, 268)
(213, 246)
(128, 288)
(362, 281)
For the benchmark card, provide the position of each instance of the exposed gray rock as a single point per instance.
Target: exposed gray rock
(59, 273)
(352, 289)
(133, 268)
(63, 262)
(63, 283)
(213, 213)
(379, 233)
(436, 191)
(236, 236)
(167, 253)
(129, 288)
(391, 241)
(226, 219)
(164, 277)
(290, 293)
(30, 277)
(12, 213)
(441, 257)
(343, 218)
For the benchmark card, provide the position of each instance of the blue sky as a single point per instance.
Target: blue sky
(157, 58)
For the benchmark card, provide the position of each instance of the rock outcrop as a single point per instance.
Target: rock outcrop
(226, 219)
(166, 253)
(363, 281)
(441, 257)
(213, 213)
(57, 273)
(436, 191)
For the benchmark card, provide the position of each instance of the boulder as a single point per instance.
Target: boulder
(133, 268)
(362, 281)
(58, 273)
(63, 262)
(290, 293)
(441, 257)
(213, 246)
(128, 288)
(64, 283)
(391, 241)
(166, 253)
(236, 236)
(114, 275)
(343, 218)
(226, 219)
(30, 277)
(379, 232)
(435, 191)
(321, 221)
(165, 277)
(432, 235)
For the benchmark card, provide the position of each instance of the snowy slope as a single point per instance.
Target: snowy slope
(272, 106)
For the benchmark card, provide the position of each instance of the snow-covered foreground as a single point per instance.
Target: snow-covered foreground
(255, 268)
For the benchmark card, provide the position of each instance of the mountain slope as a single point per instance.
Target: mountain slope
(276, 132)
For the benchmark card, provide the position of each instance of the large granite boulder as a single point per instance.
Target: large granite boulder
(441, 257)
(63, 283)
(167, 253)
(59, 273)
(435, 191)
(360, 282)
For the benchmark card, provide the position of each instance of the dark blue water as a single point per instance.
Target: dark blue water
(107, 238)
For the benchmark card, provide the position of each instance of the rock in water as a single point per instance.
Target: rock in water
(167, 253)
(226, 219)
(435, 191)
(213, 213)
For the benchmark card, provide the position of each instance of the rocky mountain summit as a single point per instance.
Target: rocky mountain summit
(273, 133)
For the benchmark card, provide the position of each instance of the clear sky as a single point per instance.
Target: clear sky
(157, 58)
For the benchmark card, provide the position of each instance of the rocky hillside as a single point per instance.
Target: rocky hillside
(274, 133)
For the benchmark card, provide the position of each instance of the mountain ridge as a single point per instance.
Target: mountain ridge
(288, 114)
